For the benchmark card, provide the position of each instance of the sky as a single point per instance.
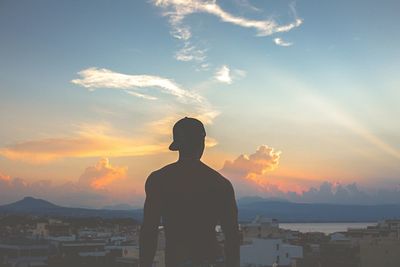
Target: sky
(299, 98)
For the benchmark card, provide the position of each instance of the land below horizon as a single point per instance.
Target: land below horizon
(283, 211)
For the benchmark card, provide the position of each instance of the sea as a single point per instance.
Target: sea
(327, 228)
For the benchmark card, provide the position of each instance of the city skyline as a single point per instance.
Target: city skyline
(299, 98)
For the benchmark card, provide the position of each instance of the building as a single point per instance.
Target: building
(23, 252)
(267, 252)
(130, 257)
(260, 227)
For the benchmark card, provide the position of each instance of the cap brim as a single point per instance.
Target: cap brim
(173, 146)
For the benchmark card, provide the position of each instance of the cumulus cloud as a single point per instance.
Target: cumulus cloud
(264, 159)
(249, 172)
(102, 174)
(93, 78)
(177, 10)
(333, 193)
(251, 175)
(338, 193)
(87, 141)
(97, 186)
(4, 178)
(281, 42)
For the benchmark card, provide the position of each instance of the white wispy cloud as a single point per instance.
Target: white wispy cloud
(189, 103)
(93, 78)
(281, 42)
(177, 10)
(190, 52)
(225, 75)
(144, 96)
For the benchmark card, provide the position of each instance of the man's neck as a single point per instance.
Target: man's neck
(188, 158)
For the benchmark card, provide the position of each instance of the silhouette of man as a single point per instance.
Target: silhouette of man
(191, 198)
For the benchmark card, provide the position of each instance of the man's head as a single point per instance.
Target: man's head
(189, 135)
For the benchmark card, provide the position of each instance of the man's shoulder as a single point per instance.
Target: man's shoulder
(164, 170)
(156, 175)
(218, 176)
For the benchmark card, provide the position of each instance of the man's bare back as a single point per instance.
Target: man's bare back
(191, 199)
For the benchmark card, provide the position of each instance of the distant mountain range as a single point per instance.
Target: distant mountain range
(35, 206)
(316, 212)
(249, 207)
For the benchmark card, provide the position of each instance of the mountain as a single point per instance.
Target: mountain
(284, 211)
(252, 199)
(317, 212)
(31, 204)
(120, 207)
(34, 206)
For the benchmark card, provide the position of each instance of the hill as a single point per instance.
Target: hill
(317, 212)
(40, 207)
(284, 211)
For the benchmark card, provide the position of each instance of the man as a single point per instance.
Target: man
(191, 198)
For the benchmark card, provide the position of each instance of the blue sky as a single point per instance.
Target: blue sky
(315, 80)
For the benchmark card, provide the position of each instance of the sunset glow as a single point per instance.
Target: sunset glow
(297, 103)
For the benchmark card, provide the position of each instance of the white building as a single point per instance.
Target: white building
(267, 252)
(339, 237)
(260, 227)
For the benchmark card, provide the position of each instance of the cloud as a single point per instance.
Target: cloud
(88, 141)
(263, 160)
(249, 172)
(223, 75)
(4, 178)
(177, 10)
(144, 96)
(192, 103)
(93, 78)
(190, 52)
(251, 175)
(334, 193)
(99, 185)
(226, 75)
(338, 193)
(102, 140)
(281, 42)
(102, 174)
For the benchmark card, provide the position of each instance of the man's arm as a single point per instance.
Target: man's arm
(229, 224)
(151, 220)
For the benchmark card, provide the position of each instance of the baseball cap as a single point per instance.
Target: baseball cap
(186, 129)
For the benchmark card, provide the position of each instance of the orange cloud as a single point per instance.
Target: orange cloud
(97, 141)
(102, 174)
(248, 172)
(251, 166)
(89, 141)
(4, 177)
